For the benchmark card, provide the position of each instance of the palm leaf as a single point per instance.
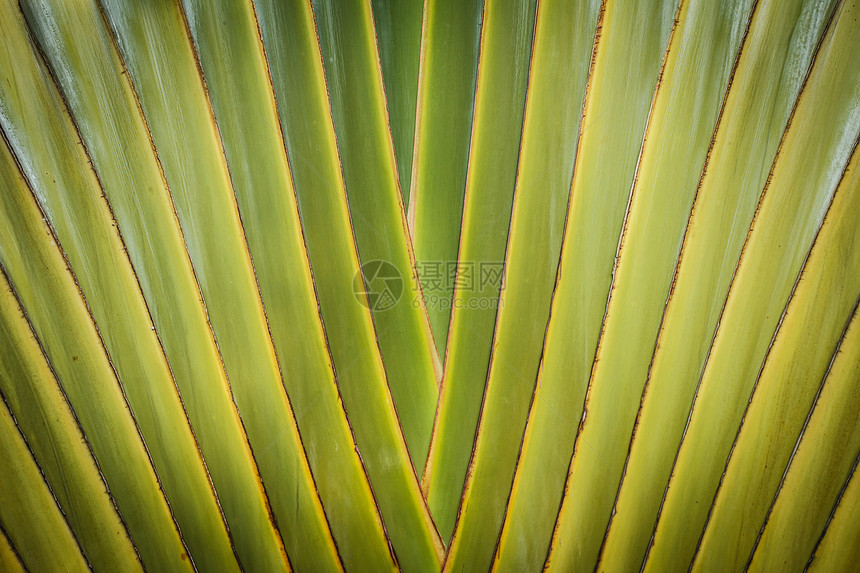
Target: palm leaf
(429, 285)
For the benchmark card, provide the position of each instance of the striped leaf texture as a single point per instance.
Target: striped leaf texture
(429, 285)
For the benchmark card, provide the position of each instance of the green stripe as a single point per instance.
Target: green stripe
(561, 62)
(704, 44)
(398, 26)
(503, 73)
(174, 99)
(297, 72)
(757, 109)
(61, 319)
(357, 101)
(632, 39)
(35, 399)
(28, 510)
(46, 145)
(237, 75)
(839, 550)
(809, 165)
(825, 456)
(814, 322)
(449, 58)
(155, 243)
(824, 462)
(9, 559)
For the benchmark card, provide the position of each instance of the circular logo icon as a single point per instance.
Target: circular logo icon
(377, 285)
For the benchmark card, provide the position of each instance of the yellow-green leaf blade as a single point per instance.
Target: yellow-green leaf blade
(357, 99)
(35, 399)
(28, 510)
(824, 460)
(496, 132)
(155, 241)
(173, 97)
(704, 45)
(757, 108)
(9, 559)
(600, 190)
(812, 158)
(449, 57)
(398, 25)
(58, 176)
(839, 549)
(561, 62)
(232, 58)
(295, 62)
(36, 268)
(815, 320)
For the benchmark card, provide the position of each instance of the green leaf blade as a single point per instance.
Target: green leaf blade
(237, 76)
(704, 45)
(69, 200)
(357, 98)
(824, 461)
(398, 25)
(449, 57)
(600, 190)
(283, 505)
(289, 36)
(496, 134)
(838, 548)
(804, 177)
(757, 109)
(35, 399)
(28, 509)
(60, 318)
(815, 320)
(9, 558)
(561, 63)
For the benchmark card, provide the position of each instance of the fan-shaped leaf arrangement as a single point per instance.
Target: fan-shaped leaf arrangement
(444, 285)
